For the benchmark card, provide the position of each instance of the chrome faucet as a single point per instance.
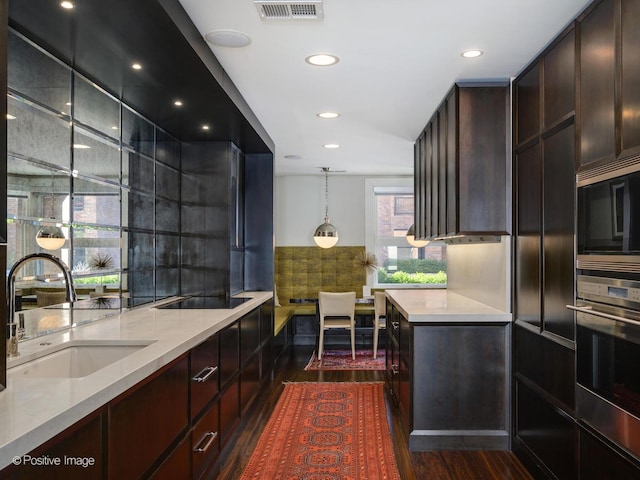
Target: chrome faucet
(16, 331)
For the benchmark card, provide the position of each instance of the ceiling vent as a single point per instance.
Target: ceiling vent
(279, 10)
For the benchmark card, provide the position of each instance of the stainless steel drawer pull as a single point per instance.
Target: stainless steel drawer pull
(207, 439)
(205, 374)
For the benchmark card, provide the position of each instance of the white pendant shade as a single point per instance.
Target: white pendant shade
(50, 238)
(411, 238)
(326, 235)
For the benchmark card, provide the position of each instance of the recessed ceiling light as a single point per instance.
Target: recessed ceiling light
(205, 127)
(136, 66)
(178, 103)
(10, 117)
(228, 38)
(114, 128)
(80, 146)
(293, 157)
(67, 5)
(328, 115)
(322, 59)
(471, 53)
(331, 145)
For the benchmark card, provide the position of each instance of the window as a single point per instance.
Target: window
(400, 263)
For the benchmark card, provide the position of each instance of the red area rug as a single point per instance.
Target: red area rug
(326, 431)
(341, 360)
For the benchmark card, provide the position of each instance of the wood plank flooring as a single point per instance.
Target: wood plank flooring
(458, 465)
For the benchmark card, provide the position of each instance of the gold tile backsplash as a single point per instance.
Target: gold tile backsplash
(302, 272)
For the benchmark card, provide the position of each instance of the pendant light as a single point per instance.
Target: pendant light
(326, 235)
(50, 237)
(411, 238)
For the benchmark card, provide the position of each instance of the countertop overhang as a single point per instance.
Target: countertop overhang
(33, 410)
(444, 306)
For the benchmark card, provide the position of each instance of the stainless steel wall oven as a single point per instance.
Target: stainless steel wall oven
(609, 218)
(608, 358)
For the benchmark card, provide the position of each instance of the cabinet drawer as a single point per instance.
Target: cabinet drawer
(204, 374)
(205, 441)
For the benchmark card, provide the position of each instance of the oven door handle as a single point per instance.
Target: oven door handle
(590, 311)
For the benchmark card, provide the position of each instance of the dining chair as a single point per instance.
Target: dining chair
(337, 310)
(379, 319)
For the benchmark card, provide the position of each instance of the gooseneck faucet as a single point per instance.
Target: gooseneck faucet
(14, 334)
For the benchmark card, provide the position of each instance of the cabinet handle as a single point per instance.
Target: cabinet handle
(395, 369)
(207, 442)
(204, 374)
(395, 325)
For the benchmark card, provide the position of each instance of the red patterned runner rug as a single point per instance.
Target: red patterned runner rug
(326, 431)
(341, 360)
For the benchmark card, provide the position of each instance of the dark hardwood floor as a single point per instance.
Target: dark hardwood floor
(458, 465)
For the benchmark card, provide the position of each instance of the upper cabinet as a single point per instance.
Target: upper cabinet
(461, 165)
(609, 76)
(597, 85)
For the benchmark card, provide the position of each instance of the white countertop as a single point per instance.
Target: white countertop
(33, 410)
(439, 305)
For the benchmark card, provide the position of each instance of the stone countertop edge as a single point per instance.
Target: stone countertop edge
(34, 410)
(444, 306)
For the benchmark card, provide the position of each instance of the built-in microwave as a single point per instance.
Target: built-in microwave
(609, 219)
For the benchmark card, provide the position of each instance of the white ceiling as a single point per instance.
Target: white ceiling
(398, 58)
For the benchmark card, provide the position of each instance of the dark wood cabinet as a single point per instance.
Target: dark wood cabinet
(600, 461)
(630, 77)
(448, 400)
(205, 441)
(229, 353)
(141, 426)
(597, 85)
(559, 232)
(559, 82)
(527, 105)
(204, 374)
(463, 164)
(528, 240)
(82, 442)
(177, 466)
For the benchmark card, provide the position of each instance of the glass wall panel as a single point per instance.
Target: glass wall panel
(167, 149)
(95, 108)
(37, 134)
(35, 75)
(137, 133)
(95, 156)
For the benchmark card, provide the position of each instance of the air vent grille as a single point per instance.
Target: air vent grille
(279, 10)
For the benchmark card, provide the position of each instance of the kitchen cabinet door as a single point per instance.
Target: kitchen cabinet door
(452, 164)
(426, 189)
(82, 441)
(146, 420)
(528, 246)
(559, 81)
(442, 170)
(483, 201)
(559, 232)
(630, 77)
(418, 174)
(527, 100)
(435, 175)
(597, 85)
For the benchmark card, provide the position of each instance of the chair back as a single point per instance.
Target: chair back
(332, 304)
(379, 304)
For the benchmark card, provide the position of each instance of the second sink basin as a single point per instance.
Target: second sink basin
(75, 359)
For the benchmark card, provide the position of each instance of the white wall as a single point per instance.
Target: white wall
(300, 207)
(481, 272)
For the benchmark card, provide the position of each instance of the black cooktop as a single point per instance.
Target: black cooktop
(205, 303)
